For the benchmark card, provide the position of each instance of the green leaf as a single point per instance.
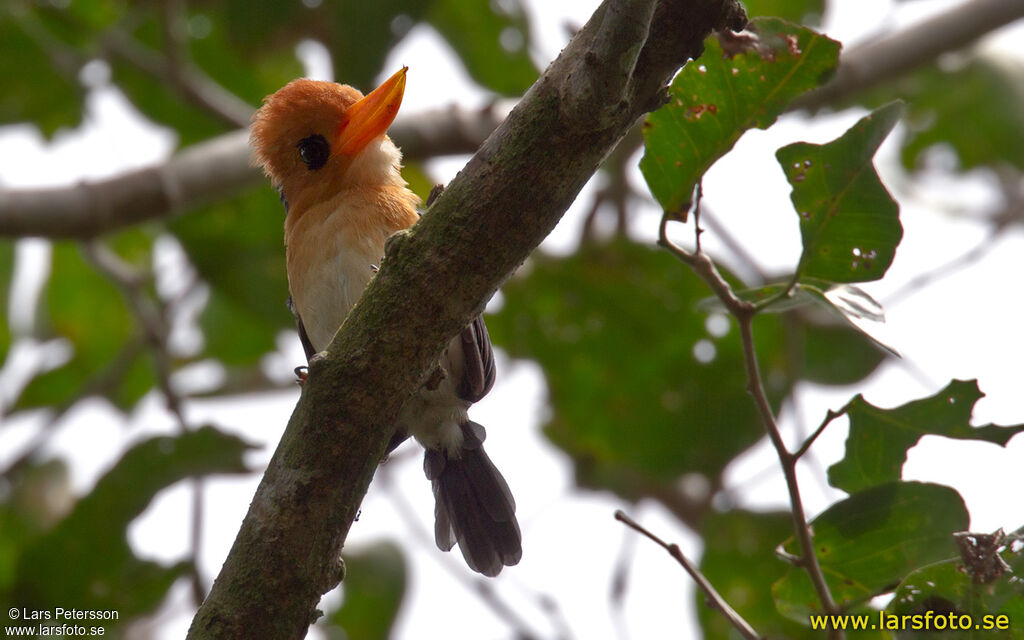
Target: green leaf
(945, 588)
(248, 74)
(846, 302)
(85, 562)
(877, 445)
(800, 11)
(35, 90)
(362, 34)
(835, 355)
(237, 247)
(374, 587)
(493, 42)
(159, 102)
(982, 120)
(419, 179)
(848, 221)
(738, 84)
(358, 34)
(251, 29)
(6, 275)
(831, 354)
(851, 304)
(739, 560)
(867, 543)
(36, 496)
(85, 308)
(615, 329)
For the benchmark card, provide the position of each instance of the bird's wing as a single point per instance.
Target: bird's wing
(307, 346)
(478, 371)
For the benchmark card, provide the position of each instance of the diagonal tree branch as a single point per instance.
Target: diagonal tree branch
(194, 85)
(435, 278)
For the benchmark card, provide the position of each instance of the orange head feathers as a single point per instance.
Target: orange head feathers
(309, 137)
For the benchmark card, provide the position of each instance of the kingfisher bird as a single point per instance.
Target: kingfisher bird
(325, 148)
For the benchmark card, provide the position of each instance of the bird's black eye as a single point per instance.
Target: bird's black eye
(314, 151)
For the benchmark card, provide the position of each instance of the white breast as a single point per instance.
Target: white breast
(326, 283)
(335, 287)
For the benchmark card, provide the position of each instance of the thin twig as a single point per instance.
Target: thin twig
(616, 190)
(697, 202)
(620, 585)
(714, 598)
(187, 79)
(100, 383)
(482, 588)
(744, 313)
(65, 60)
(964, 260)
(1009, 217)
(153, 315)
(722, 233)
(829, 417)
(809, 559)
(705, 268)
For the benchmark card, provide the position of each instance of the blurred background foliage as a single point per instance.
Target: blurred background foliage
(617, 326)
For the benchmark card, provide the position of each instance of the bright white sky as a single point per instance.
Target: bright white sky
(964, 327)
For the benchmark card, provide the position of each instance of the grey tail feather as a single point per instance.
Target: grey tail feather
(473, 505)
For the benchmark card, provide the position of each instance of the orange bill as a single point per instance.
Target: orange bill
(370, 117)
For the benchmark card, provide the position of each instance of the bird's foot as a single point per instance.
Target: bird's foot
(301, 374)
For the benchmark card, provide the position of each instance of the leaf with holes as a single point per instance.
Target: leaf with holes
(741, 82)
(803, 11)
(849, 223)
(867, 543)
(877, 445)
(947, 587)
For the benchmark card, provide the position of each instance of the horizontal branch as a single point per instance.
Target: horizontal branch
(213, 169)
(887, 57)
(433, 280)
(221, 164)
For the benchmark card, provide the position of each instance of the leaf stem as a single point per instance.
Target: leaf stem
(829, 417)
